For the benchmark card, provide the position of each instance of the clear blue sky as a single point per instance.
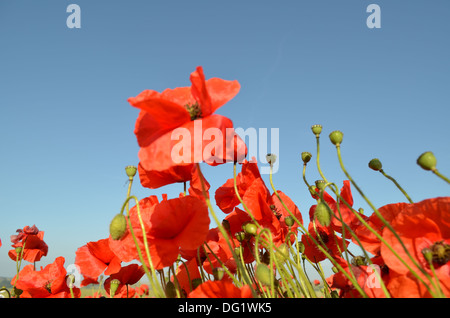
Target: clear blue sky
(66, 128)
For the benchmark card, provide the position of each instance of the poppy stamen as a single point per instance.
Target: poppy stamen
(194, 110)
(439, 253)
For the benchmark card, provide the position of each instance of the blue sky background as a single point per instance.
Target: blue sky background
(66, 128)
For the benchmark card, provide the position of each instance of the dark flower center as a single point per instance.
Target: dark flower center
(439, 253)
(194, 110)
(323, 236)
(275, 211)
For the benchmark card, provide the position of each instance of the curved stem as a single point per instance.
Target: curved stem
(398, 185)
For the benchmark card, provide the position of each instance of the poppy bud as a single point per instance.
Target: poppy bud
(282, 253)
(118, 227)
(427, 161)
(289, 220)
(113, 285)
(301, 247)
(170, 290)
(323, 213)
(271, 158)
(250, 228)
(335, 269)
(316, 129)
(218, 273)
(263, 274)
(131, 171)
(306, 157)
(375, 164)
(336, 137)
(361, 210)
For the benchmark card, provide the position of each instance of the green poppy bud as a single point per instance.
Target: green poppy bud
(301, 247)
(306, 157)
(218, 273)
(289, 220)
(250, 228)
(263, 274)
(375, 164)
(316, 129)
(336, 137)
(118, 227)
(131, 171)
(359, 260)
(427, 161)
(282, 253)
(323, 213)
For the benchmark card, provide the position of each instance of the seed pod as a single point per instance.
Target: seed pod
(375, 164)
(336, 137)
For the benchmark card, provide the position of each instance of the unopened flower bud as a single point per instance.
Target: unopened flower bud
(250, 228)
(282, 253)
(359, 261)
(336, 137)
(306, 156)
(375, 164)
(118, 227)
(323, 213)
(427, 161)
(316, 129)
(301, 247)
(131, 171)
(335, 269)
(263, 274)
(218, 273)
(289, 220)
(170, 290)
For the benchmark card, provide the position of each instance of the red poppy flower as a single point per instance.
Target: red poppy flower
(127, 276)
(187, 272)
(368, 239)
(170, 225)
(220, 289)
(324, 236)
(366, 278)
(49, 282)
(424, 229)
(190, 110)
(32, 242)
(267, 209)
(341, 210)
(96, 258)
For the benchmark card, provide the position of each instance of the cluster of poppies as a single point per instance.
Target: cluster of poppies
(261, 246)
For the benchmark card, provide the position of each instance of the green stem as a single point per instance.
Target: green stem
(338, 148)
(440, 175)
(220, 226)
(398, 185)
